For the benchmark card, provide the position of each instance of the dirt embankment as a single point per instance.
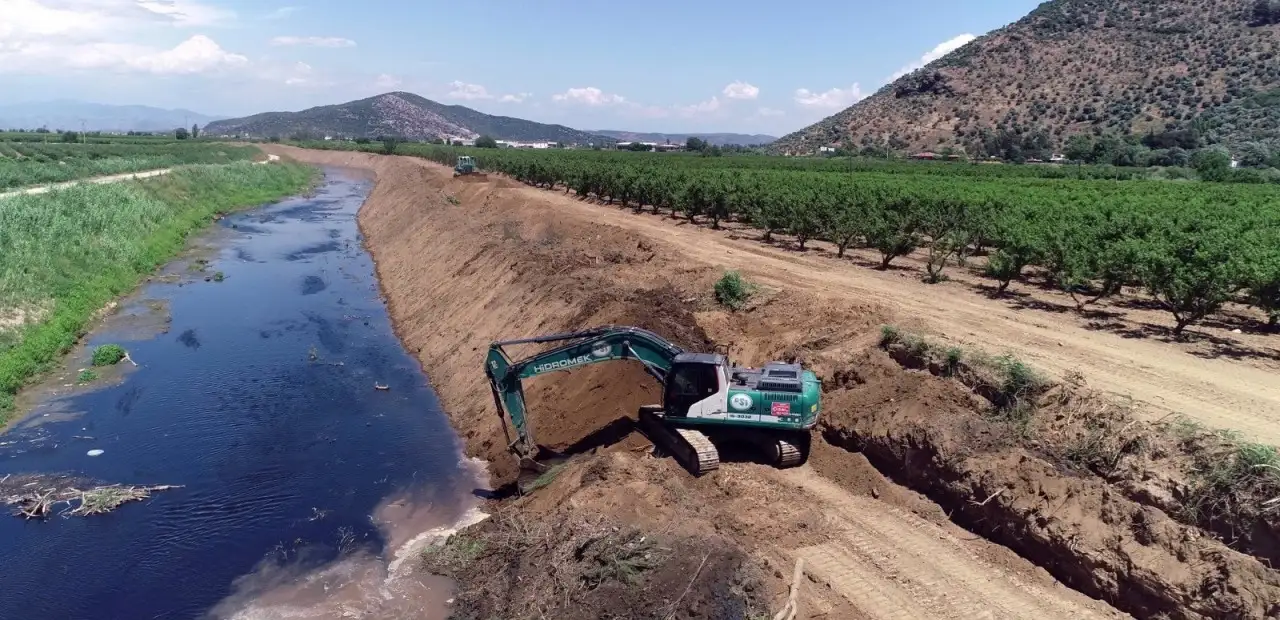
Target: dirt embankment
(618, 532)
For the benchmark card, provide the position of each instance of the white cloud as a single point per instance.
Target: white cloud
(741, 90)
(300, 76)
(80, 19)
(942, 49)
(43, 36)
(589, 95)
(180, 12)
(831, 99)
(313, 41)
(198, 54)
(476, 92)
(469, 92)
(770, 112)
(702, 107)
(386, 80)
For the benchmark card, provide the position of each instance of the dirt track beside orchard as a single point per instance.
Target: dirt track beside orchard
(464, 262)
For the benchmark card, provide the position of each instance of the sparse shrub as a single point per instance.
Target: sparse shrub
(954, 357)
(218, 276)
(1019, 382)
(889, 335)
(733, 291)
(87, 375)
(1240, 481)
(108, 355)
(390, 144)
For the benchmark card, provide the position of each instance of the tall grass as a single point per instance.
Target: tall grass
(67, 253)
(24, 164)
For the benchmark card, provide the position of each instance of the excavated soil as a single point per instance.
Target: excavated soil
(916, 502)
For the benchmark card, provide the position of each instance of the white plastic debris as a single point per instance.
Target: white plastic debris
(94, 452)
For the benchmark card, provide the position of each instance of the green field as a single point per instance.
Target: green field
(35, 163)
(1192, 245)
(65, 254)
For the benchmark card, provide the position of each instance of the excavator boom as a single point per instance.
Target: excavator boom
(601, 344)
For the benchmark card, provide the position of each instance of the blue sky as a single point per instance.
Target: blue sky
(655, 65)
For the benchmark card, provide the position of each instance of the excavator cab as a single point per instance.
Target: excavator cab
(696, 385)
(466, 165)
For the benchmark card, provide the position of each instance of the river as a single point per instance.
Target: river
(256, 393)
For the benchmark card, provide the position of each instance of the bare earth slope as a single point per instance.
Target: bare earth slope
(464, 262)
(1073, 66)
(1225, 392)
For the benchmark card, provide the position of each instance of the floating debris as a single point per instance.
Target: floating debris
(40, 503)
(95, 452)
(379, 386)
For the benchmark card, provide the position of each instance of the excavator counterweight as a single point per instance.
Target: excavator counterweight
(703, 396)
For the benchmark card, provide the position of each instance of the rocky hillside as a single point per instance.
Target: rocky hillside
(1082, 66)
(399, 114)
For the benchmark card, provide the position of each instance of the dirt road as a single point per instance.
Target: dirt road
(114, 178)
(464, 262)
(1224, 392)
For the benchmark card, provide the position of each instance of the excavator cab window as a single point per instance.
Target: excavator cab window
(688, 384)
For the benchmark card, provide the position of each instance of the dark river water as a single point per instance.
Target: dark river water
(300, 479)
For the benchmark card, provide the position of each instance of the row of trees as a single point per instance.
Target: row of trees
(1193, 247)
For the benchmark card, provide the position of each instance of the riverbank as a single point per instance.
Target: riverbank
(298, 482)
(65, 254)
(466, 261)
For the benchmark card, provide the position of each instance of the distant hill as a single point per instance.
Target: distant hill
(68, 115)
(716, 139)
(399, 113)
(1082, 66)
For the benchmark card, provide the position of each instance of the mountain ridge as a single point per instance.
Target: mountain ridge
(1094, 67)
(401, 114)
(70, 114)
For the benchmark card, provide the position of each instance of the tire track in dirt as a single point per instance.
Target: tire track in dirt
(894, 565)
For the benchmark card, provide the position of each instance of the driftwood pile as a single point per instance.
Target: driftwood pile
(33, 500)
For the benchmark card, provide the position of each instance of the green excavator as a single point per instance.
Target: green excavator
(466, 165)
(703, 397)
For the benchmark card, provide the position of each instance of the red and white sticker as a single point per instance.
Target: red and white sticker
(780, 409)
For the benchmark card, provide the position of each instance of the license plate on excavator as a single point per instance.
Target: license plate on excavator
(780, 409)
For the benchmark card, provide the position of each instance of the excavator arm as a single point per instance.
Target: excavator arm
(602, 344)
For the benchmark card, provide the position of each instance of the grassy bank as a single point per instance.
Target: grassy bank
(65, 254)
(27, 164)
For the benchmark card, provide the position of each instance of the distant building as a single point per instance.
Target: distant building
(627, 146)
(512, 144)
(828, 149)
(929, 155)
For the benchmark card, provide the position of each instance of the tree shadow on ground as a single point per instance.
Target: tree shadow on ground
(1214, 347)
(1022, 300)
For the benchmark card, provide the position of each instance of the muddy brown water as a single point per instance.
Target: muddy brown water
(303, 486)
